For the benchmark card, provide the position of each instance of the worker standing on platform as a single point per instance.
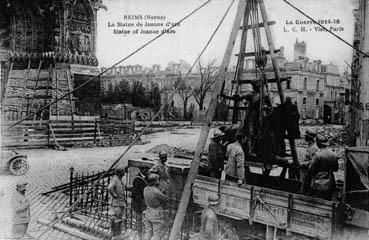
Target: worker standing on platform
(321, 170)
(155, 201)
(216, 155)
(160, 168)
(209, 220)
(234, 169)
(138, 202)
(118, 201)
(21, 209)
(310, 151)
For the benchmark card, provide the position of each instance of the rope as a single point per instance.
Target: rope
(114, 65)
(352, 46)
(144, 129)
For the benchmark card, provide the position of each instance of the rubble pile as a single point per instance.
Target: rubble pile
(338, 137)
(345, 137)
(170, 150)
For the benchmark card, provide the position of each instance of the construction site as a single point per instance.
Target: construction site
(75, 141)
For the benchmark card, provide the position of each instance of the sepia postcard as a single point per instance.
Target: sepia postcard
(184, 119)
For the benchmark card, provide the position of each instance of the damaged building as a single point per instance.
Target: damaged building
(47, 49)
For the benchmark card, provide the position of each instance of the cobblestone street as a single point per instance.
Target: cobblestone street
(49, 168)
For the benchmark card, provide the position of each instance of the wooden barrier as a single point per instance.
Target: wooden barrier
(66, 132)
(28, 134)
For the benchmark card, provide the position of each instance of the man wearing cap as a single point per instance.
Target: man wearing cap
(21, 209)
(138, 202)
(161, 169)
(118, 202)
(320, 173)
(310, 151)
(234, 169)
(209, 220)
(155, 201)
(216, 155)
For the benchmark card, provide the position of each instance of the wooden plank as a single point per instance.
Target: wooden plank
(252, 54)
(70, 129)
(270, 80)
(260, 25)
(240, 63)
(75, 139)
(313, 220)
(68, 230)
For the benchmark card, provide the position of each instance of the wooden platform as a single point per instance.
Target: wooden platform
(288, 211)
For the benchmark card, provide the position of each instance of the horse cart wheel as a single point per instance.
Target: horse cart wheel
(226, 231)
(18, 166)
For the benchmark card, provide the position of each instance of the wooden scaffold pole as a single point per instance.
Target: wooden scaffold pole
(181, 212)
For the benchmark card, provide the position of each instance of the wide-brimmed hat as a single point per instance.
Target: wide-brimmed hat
(163, 154)
(213, 199)
(218, 133)
(21, 184)
(321, 140)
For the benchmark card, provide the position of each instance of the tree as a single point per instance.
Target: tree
(207, 80)
(119, 93)
(155, 99)
(138, 95)
(185, 92)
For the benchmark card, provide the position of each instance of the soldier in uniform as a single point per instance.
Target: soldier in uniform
(161, 169)
(118, 201)
(21, 209)
(235, 166)
(209, 220)
(155, 201)
(308, 157)
(138, 203)
(321, 169)
(216, 155)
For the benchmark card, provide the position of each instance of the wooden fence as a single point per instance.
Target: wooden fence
(66, 132)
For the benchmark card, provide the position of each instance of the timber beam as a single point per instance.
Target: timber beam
(260, 25)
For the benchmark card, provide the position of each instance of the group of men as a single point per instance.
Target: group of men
(317, 167)
(150, 190)
(149, 197)
(226, 156)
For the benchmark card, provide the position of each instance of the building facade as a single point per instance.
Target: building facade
(47, 49)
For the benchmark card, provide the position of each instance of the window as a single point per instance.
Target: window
(288, 84)
(305, 83)
(304, 101)
(317, 101)
(317, 85)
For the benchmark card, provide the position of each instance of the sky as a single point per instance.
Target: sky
(192, 34)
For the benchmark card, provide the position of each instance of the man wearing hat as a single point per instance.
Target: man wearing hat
(155, 201)
(118, 201)
(138, 202)
(321, 169)
(234, 169)
(209, 220)
(216, 154)
(160, 168)
(308, 157)
(21, 209)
